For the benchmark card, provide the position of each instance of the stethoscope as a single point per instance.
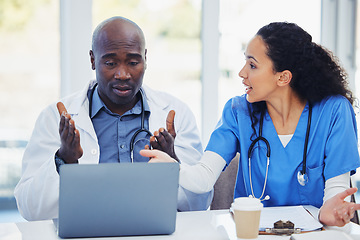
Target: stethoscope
(142, 128)
(301, 175)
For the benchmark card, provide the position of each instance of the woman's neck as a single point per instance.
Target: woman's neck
(285, 112)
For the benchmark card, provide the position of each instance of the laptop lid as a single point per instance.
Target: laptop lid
(112, 199)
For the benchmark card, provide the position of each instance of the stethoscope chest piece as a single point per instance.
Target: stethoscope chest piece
(302, 178)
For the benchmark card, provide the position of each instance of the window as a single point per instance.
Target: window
(29, 78)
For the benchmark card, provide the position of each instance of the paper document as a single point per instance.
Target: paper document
(296, 214)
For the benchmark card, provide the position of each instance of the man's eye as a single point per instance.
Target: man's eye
(110, 64)
(134, 63)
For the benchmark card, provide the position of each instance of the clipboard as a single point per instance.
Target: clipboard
(323, 235)
(286, 230)
(303, 219)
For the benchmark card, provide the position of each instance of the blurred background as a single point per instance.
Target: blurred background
(33, 72)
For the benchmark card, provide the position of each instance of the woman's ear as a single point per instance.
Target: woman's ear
(284, 78)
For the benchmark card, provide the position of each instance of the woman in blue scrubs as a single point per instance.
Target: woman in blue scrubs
(294, 128)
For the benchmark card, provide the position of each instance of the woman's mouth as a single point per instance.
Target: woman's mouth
(248, 89)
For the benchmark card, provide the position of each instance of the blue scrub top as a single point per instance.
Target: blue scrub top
(332, 151)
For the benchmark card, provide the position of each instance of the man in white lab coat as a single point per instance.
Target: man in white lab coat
(96, 124)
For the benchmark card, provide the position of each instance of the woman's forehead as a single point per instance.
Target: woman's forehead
(256, 45)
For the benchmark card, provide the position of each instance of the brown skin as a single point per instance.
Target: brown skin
(119, 60)
(164, 139)
(336, 211)
(70, 150)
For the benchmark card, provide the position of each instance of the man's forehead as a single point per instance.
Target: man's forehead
(122, 26)
(125, 45)
(120, 36)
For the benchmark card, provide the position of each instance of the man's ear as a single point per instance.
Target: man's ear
(284, 78)
(145, 59)
(92, 59)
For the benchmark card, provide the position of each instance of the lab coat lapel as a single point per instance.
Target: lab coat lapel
(79, 110)
(158, 106)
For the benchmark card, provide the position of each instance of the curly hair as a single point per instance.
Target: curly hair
(316, 72)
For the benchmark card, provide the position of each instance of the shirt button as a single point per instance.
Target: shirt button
(93, 151)
(122, 146)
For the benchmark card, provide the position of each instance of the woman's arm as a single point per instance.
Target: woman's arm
(337, 185)
(199, 178)
(337, 210)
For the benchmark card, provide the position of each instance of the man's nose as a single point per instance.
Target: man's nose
(121, 73)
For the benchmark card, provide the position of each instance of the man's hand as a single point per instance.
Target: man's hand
(337, 212)
(164, 139)
(70, 150)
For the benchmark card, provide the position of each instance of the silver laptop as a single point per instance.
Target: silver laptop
(112, 199)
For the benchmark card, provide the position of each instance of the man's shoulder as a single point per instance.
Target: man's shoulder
(75, 101)
(161, 98)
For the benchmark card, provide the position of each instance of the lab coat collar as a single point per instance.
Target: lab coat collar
(153, 97)
(81, 100)
(79, 108)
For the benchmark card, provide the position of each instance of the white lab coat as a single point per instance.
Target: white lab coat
(37, 192)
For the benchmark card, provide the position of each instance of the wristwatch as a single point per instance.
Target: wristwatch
(58, 162)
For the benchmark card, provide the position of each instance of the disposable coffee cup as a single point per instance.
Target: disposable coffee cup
(247, 212)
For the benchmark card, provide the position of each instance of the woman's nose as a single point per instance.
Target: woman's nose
(242, 73)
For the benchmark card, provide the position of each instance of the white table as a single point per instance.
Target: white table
(207, 225)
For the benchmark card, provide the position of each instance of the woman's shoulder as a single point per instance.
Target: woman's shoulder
(237, 102)
(335, 103)
(237, 107)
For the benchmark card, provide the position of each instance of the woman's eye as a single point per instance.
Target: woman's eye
(252, 66)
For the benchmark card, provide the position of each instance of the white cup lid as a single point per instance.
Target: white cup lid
(247, 204)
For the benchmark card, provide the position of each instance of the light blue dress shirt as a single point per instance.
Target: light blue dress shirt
(114, 132)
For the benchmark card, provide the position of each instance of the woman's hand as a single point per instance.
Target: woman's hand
(336, 211)
(156, 156)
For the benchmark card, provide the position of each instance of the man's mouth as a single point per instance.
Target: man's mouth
(122, 90)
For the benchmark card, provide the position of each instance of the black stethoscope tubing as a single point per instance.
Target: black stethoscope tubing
(142, 128)
(302, 178)
(303, 171)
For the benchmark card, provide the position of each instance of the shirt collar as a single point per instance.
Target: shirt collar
(98, 104)
(137, 108)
